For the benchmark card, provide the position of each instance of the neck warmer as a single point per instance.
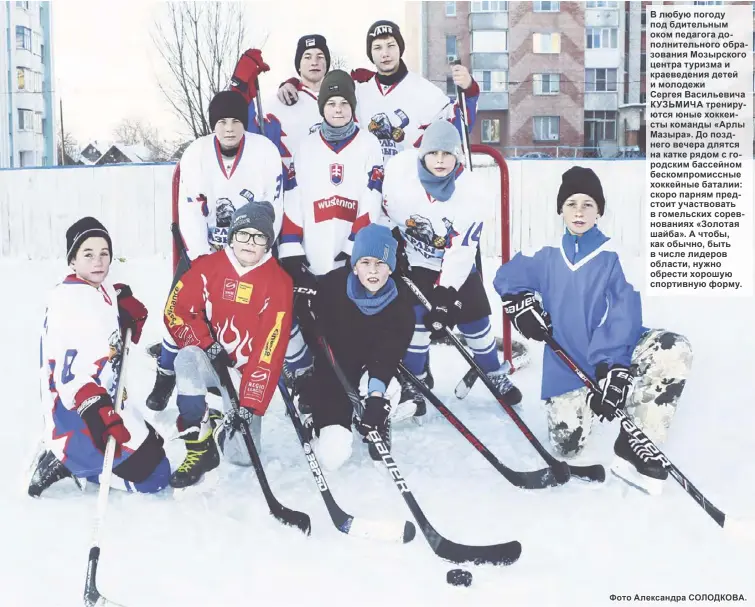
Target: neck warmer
(393, 78)
(440, 188)
(230, 153)
(334, 134)
(369, 303)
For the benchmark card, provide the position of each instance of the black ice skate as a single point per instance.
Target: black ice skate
(165, 382)
(645, 476)
(410, 396)
(510, 393)
(303, 390)
(201, 456)
(48, 470)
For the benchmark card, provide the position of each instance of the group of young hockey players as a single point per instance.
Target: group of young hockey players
(300, 224)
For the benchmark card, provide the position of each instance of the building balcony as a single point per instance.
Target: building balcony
(603, 57)
(602, 17)
(490, 61)
(493, 101)
(488, 21)
(602, 101)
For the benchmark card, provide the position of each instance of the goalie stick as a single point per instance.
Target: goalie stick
(496, 554)
(562, 470)
(391, 531)
(285, 515)
(92, 596)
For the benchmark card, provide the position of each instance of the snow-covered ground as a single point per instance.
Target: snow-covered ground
(581, 543)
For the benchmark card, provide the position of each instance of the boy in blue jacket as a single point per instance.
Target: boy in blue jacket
(596, 315)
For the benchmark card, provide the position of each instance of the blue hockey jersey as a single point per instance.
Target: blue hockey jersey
(596, 312)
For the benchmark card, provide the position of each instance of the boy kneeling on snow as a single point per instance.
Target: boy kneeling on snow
(596, 315)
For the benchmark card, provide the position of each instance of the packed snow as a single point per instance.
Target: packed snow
(581, 542)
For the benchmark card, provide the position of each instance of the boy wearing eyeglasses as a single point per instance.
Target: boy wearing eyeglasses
(232, 310)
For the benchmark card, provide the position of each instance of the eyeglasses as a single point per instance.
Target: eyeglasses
(244, 237)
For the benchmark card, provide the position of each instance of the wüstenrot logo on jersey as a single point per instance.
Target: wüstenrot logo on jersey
(272, 339)
(335, 207)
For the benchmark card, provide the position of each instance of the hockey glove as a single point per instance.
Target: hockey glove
(248, 69)
(103, 421)
(218, 357)
(402, 260)
(131, 312)
(362, 75)
(343, 256)
(527, 315)
(615, 383)
(445, 311)
(376, 410)
(236, 418)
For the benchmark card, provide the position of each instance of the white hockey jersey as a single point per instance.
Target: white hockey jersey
(80, 354)
(289, 125)
(213, 186)
(337, 191)
(398, 115)
(441, 236)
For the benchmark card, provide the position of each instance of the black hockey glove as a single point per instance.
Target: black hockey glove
(343, 256)
(402, 260)
(615, 383)
(296, 267)
(445, 311)
(218, 357)
(376, 410)
(527, 315)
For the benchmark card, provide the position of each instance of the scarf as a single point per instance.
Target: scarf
(369, 303)
(336, 134)
(388, 80)
(440, 188)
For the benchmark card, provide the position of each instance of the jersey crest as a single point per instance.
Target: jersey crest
(419, 230)
(387, 131)
(336, 174)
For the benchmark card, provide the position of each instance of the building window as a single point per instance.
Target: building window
(27, 159)
(643, 62)
(546, 84)
(602, 37)
(21, 78)
(37, 122)
(545, 128)
(546, 43)
(713, 3)
(450, 86)
(25, 120)
(23, 5)
(599, 126)
(451, 50)
(600, 80)
(642, 97)
(644, 18)
(490, 7)
(491, 131)
(602, 4)
(42, 53)
(23, 37)
(491, 81)
(489, 41)
(36, 43)
(450, 9)
(546, 7)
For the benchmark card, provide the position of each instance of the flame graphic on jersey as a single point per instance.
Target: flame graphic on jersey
(230, 338)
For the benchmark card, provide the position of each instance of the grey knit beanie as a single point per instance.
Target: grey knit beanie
(259, 215)
(441, 135)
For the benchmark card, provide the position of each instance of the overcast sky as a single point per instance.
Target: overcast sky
(106, 66)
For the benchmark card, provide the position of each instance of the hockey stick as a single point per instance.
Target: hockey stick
(535, 479)
(647, 451)
(496, 554)
(390, 531)
(561, 469)
(285, 515)
(92, 596)
(258, 99)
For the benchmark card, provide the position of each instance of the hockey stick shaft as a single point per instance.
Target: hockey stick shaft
(92, 596)
(639, 442)
(258, 99)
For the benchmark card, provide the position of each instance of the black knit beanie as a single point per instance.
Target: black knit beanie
(337, 84)
(579, 180)
(228, 104)
(383, 28)
(86, 227)
(308, 42)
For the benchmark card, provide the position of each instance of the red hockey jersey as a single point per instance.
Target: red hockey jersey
(250, 313)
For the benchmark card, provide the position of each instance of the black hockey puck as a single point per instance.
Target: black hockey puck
(459, 577)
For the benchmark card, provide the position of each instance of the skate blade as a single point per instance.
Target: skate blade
(627, 472)
(402, 412)
(205, 485)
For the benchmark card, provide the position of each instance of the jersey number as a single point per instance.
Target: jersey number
(475, 236)
(65, 374)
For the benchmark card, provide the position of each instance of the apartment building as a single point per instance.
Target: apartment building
(27, 112)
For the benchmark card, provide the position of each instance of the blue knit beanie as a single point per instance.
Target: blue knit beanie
(375, 240)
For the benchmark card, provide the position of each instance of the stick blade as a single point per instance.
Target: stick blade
(401, 532)
(293, 518)
(594, 473)
(496, 554)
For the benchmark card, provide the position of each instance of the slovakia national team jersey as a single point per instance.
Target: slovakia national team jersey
(80, 357)
(398, 114)
(338, 191)
(213, 186)
(441, 236)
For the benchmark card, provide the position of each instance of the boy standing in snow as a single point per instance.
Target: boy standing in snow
(596, 315)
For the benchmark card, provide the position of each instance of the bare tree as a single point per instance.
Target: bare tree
(70, 147)
(200, 43)
(339, 62)
(135, 132)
